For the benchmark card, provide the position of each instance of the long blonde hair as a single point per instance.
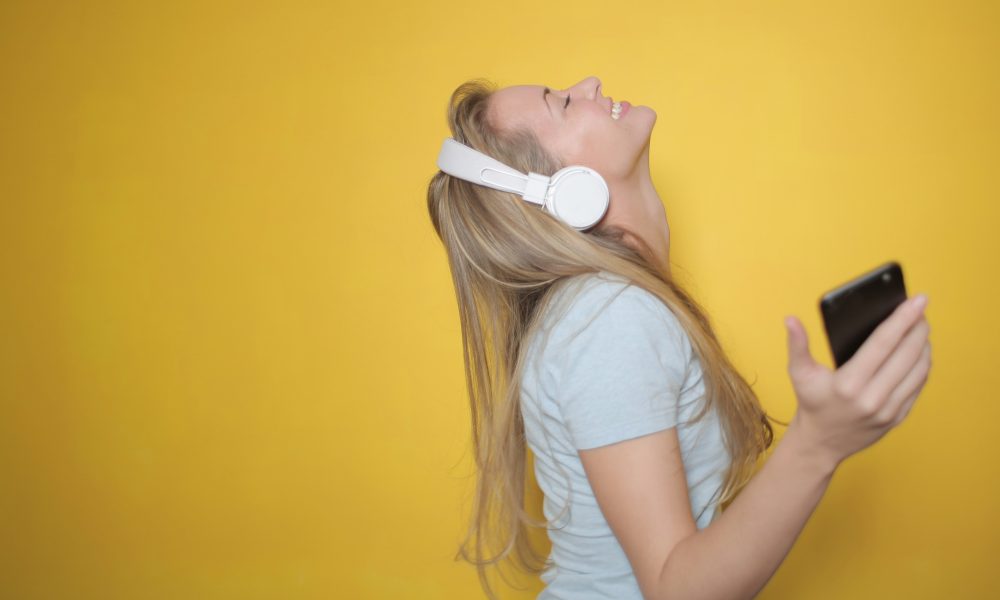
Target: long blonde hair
(508, 259)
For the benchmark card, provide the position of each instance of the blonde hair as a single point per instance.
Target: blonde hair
(508, 259)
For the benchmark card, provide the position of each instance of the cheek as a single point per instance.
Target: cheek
(615, 153)
(598, 142)
(601, 146)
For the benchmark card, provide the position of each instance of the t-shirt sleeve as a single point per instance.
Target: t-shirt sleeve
(622, 367)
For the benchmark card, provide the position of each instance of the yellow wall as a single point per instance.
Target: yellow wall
(229, 349)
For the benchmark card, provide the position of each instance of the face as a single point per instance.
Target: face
(575, 125)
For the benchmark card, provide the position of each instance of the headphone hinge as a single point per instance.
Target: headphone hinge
(536, 187)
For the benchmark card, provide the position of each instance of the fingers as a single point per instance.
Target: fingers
(899, 364)
(799, 357)
(880, 344)
(904, 396)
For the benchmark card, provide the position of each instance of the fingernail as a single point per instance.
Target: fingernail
(920, 301)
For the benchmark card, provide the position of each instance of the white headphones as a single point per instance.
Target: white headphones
(576, 194)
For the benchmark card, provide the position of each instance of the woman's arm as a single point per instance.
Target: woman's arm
(648, 509)
(737, 554)
(642, 491)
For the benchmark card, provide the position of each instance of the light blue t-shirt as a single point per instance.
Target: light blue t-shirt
(610, 362)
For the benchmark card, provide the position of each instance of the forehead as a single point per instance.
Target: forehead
(521, 105)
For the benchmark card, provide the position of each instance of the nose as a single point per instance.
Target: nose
(589, 87)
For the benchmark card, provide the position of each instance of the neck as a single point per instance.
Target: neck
(642, 214)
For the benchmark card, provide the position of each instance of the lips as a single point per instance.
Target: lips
(623, 107)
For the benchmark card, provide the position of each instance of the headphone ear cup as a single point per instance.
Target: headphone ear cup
(579, 196)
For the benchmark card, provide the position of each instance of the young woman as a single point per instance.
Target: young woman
(581, 346)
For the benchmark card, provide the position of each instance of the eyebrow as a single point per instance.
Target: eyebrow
(544, 92)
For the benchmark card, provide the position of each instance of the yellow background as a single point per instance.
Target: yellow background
(229, 350)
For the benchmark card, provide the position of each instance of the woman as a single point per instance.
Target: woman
(581, 346)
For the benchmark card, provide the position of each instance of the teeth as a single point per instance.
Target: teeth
(616, 110)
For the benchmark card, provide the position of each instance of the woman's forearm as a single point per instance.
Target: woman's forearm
(741, 549)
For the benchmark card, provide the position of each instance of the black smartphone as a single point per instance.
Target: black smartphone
(852, 311)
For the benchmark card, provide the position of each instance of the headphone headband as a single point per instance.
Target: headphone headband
(576, 194)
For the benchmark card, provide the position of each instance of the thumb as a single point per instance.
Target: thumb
(800, 360)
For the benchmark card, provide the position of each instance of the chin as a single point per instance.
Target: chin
(652, 120)
(646, 115)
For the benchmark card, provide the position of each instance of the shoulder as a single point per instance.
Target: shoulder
(607, 308)
(608, 297)
(617, 360)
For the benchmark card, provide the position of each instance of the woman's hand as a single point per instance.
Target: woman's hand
(844, 411)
